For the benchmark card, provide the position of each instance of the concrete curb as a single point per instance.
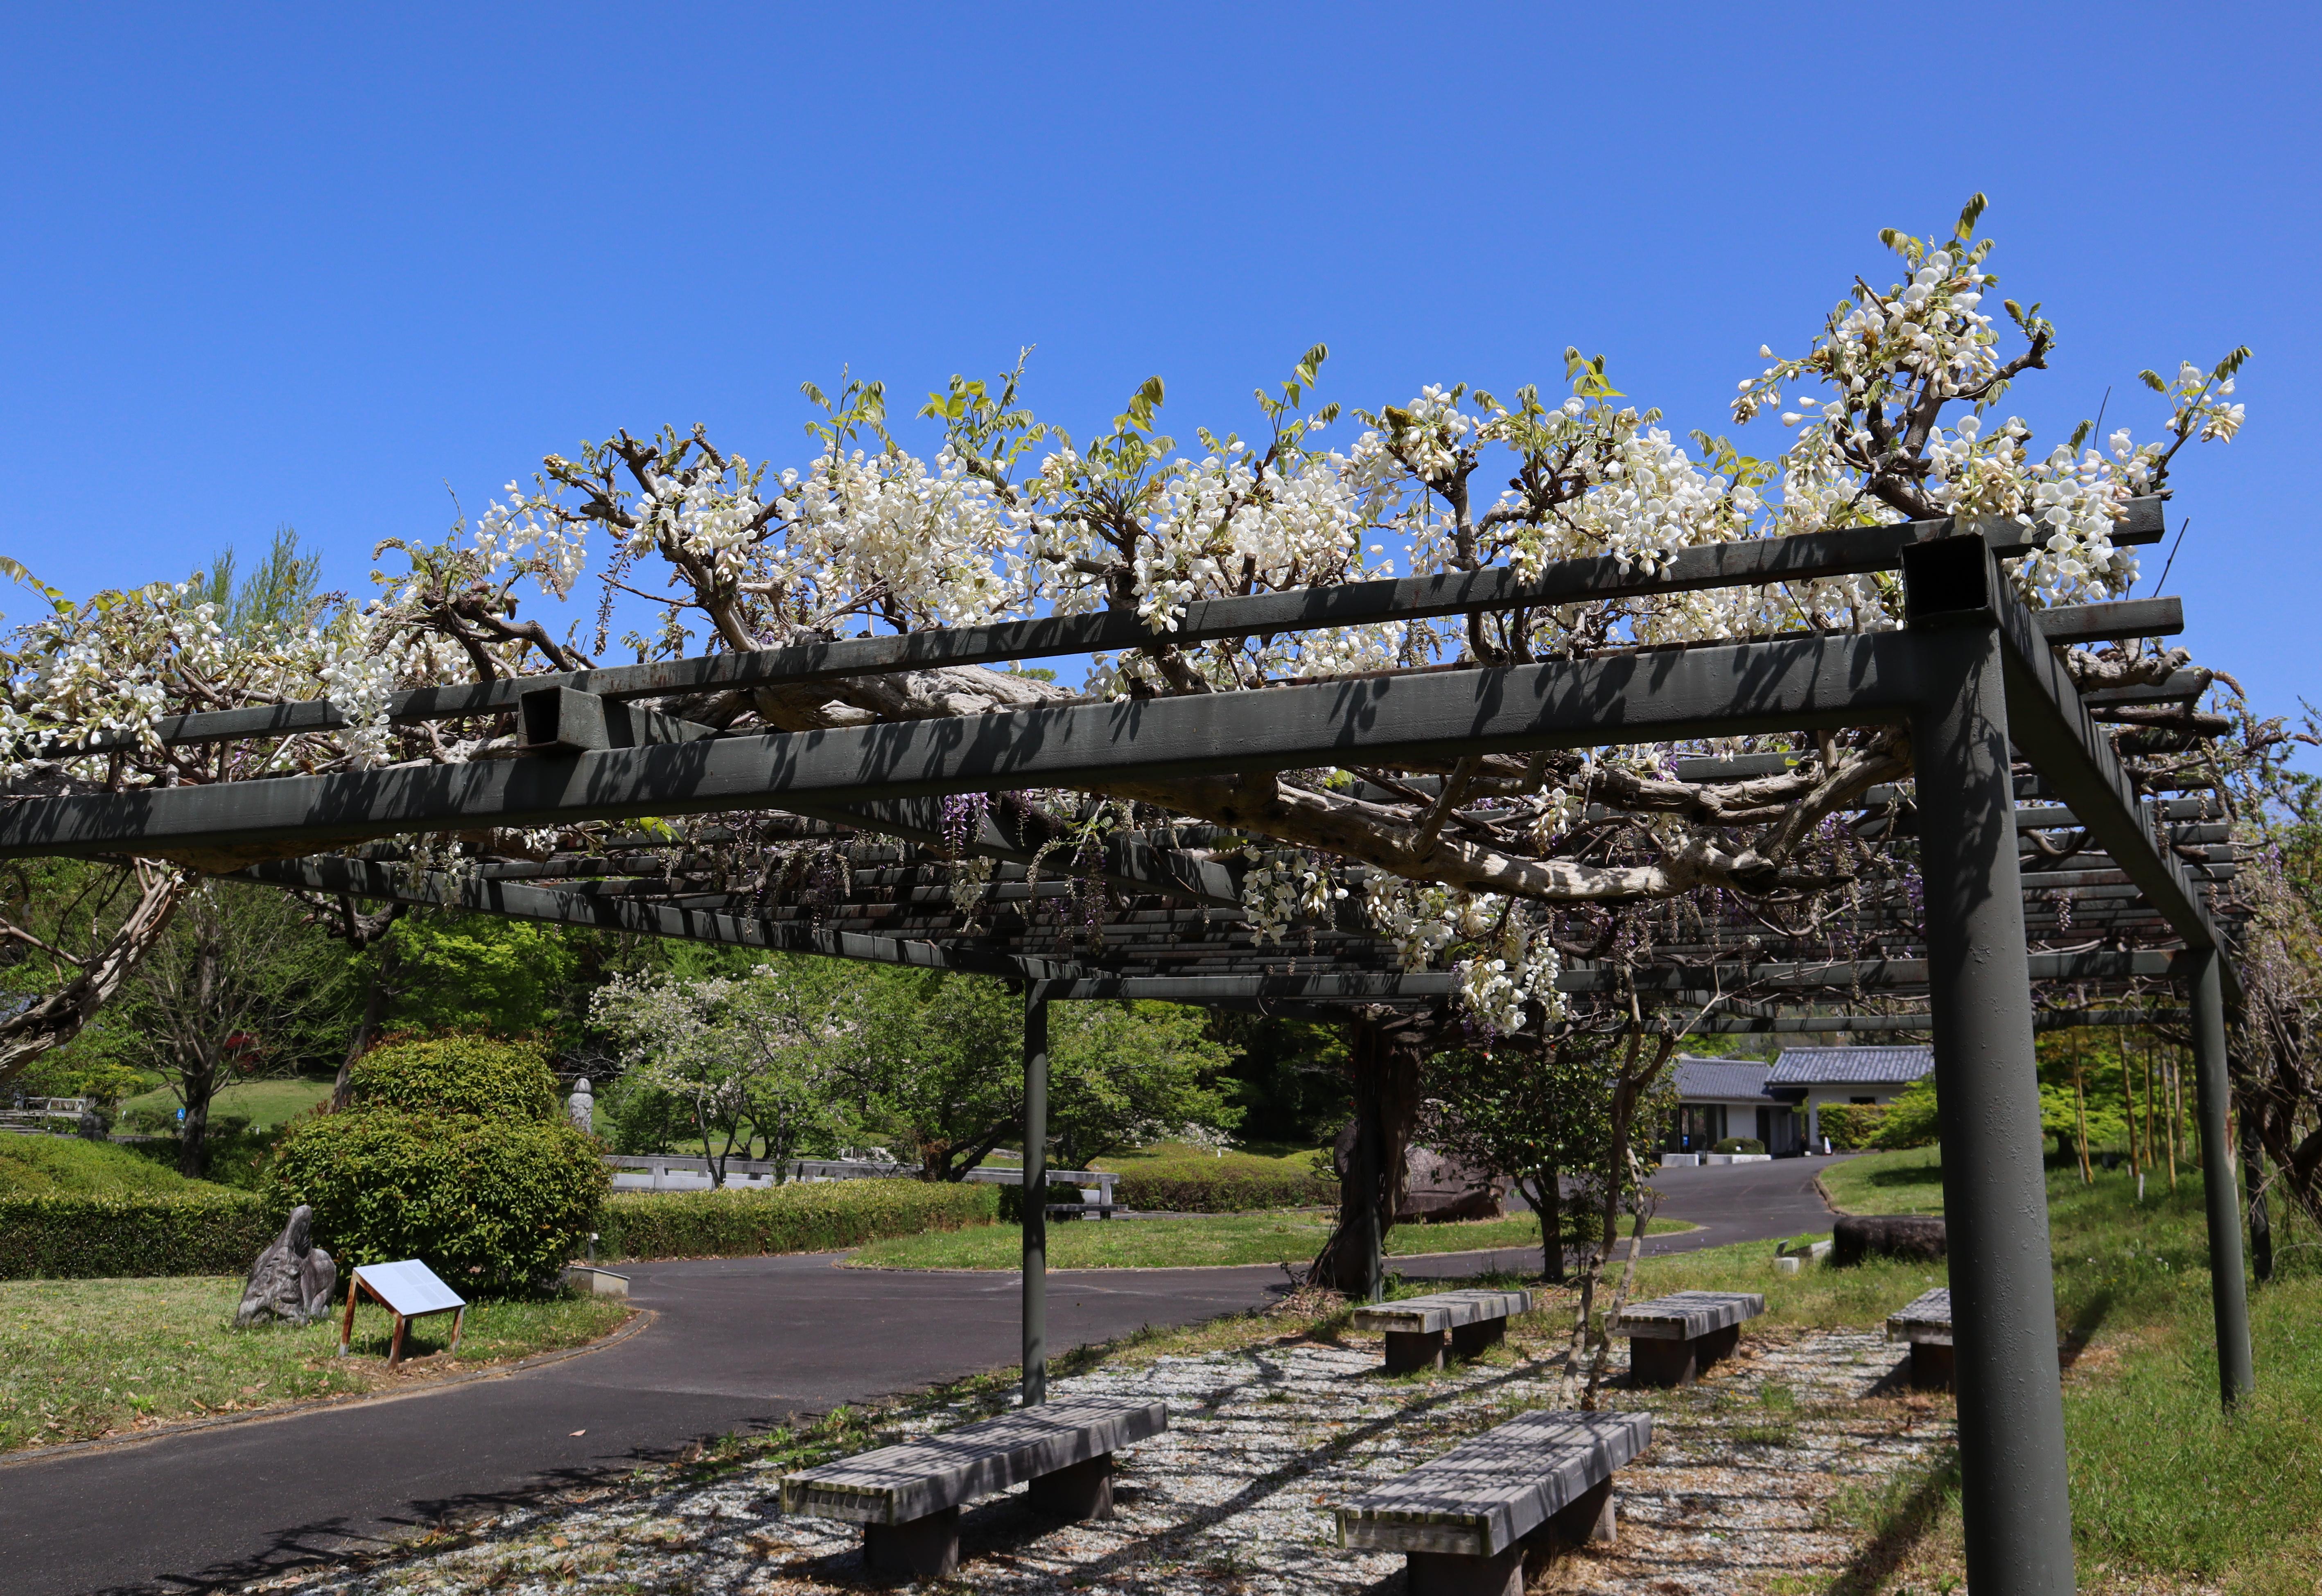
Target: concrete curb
(637, 1322)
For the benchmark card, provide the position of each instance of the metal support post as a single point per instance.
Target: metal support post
(1036, 1195)
(2228, 1296)
(2015, 1497)
(1370, 1072)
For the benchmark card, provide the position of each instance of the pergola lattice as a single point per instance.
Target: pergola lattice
(2054, 891)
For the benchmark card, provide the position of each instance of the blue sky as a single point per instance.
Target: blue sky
(282, 266)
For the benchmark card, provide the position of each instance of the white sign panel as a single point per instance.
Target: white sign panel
(409, 1288)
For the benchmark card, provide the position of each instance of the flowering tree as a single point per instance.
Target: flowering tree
(1496, 867)
(752, 1057)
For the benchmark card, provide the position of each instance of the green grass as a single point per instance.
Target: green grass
(1177, 1158)
(2163, 1484)
(82, 1359)
(38, 1164)
(264, 1103)
(1183, 1243)
(1907, 1182)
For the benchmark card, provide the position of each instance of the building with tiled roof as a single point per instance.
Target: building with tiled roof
(1812, 1076)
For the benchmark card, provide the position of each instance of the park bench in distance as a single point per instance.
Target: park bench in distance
(907, 1496)
(1672, 1339)
(1925, 1322)
(1415, 1326)
(1469, 1521)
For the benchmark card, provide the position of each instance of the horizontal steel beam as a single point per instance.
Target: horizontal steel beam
(512, 900)
(2046, 1019)
(1832, 680)
(1754, 563)
(2049, 723)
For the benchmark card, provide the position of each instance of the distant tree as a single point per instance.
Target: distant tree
(1536, 1118)
(1121, 1075)
(240, 986)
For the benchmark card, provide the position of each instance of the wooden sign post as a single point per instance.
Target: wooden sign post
(408, 1289)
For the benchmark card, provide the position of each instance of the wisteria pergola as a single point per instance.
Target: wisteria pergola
(2020, 931)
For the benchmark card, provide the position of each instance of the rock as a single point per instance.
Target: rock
(1434, 1188)
(293, 1278)
(1858, 1237)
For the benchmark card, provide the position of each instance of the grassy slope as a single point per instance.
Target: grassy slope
(1178, 1243)
(1907, 1182)
(264, 1103)
(1175, 1158)
(2161, 1482)
(29, 1165)
(80, 1359)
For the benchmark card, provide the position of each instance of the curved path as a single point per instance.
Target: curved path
(739, 1344)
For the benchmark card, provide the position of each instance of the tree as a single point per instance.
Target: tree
(239, 986)
(1533, 1119)
(1495, 867)
(1122, 1075)
(753, 1057)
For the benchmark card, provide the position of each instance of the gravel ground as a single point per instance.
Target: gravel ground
(1235, 1498)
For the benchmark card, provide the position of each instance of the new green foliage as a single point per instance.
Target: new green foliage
(452, 1153)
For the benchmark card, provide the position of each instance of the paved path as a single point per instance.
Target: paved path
(739, 1344)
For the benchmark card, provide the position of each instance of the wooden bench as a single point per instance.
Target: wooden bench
(1470, 1521)
(1673, 1339)
(1925, 1322)
(908, 1498)
(1416, 1327)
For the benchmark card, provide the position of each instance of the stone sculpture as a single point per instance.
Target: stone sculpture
(583, 1105)
(293, 1278)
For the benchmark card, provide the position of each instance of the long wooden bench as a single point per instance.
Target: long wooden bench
(1925, 1322)
(1470, 1520)
(1673, 1339)
(1416, 1325)
(907, 1496)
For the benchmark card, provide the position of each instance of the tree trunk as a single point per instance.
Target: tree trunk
(2261, 1221)
(57, 1019)
(1371, 1189)
(1546, 1191)
(196, 1085)
(375, 1001)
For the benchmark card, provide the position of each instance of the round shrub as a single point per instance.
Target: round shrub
(1740, 1144)
(495, 1206)
(456, 1073)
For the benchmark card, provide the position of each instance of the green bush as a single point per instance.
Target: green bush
(1740, 1144)
(1851, 1126)
(1909, 1120)
(73, 1236)
(815, 1216)
(494, 1205)
(457, 1073)
(1187, 1188)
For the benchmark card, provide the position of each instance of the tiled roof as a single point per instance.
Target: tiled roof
(1852, 1066)
(1699, 1079)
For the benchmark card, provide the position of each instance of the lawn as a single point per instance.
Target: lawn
(264, 1103)
(1178, 1158)
(1182, 1243)
(29, 1165)
(2162, 1484)
(1907, 1182)
(81, 1359)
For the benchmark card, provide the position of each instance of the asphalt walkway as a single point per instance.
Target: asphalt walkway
(738, 1345)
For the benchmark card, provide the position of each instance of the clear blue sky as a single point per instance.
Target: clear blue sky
(292, 265)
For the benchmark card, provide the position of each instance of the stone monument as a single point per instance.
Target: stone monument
(582, 1106)
(293, 1278)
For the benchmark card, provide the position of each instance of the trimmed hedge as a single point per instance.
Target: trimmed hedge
(71, 1237)
(1740, 1144)
(457, 1073)
(493, 1206)
(811, 1217)
(1851, 1126)
(1182, 1191)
